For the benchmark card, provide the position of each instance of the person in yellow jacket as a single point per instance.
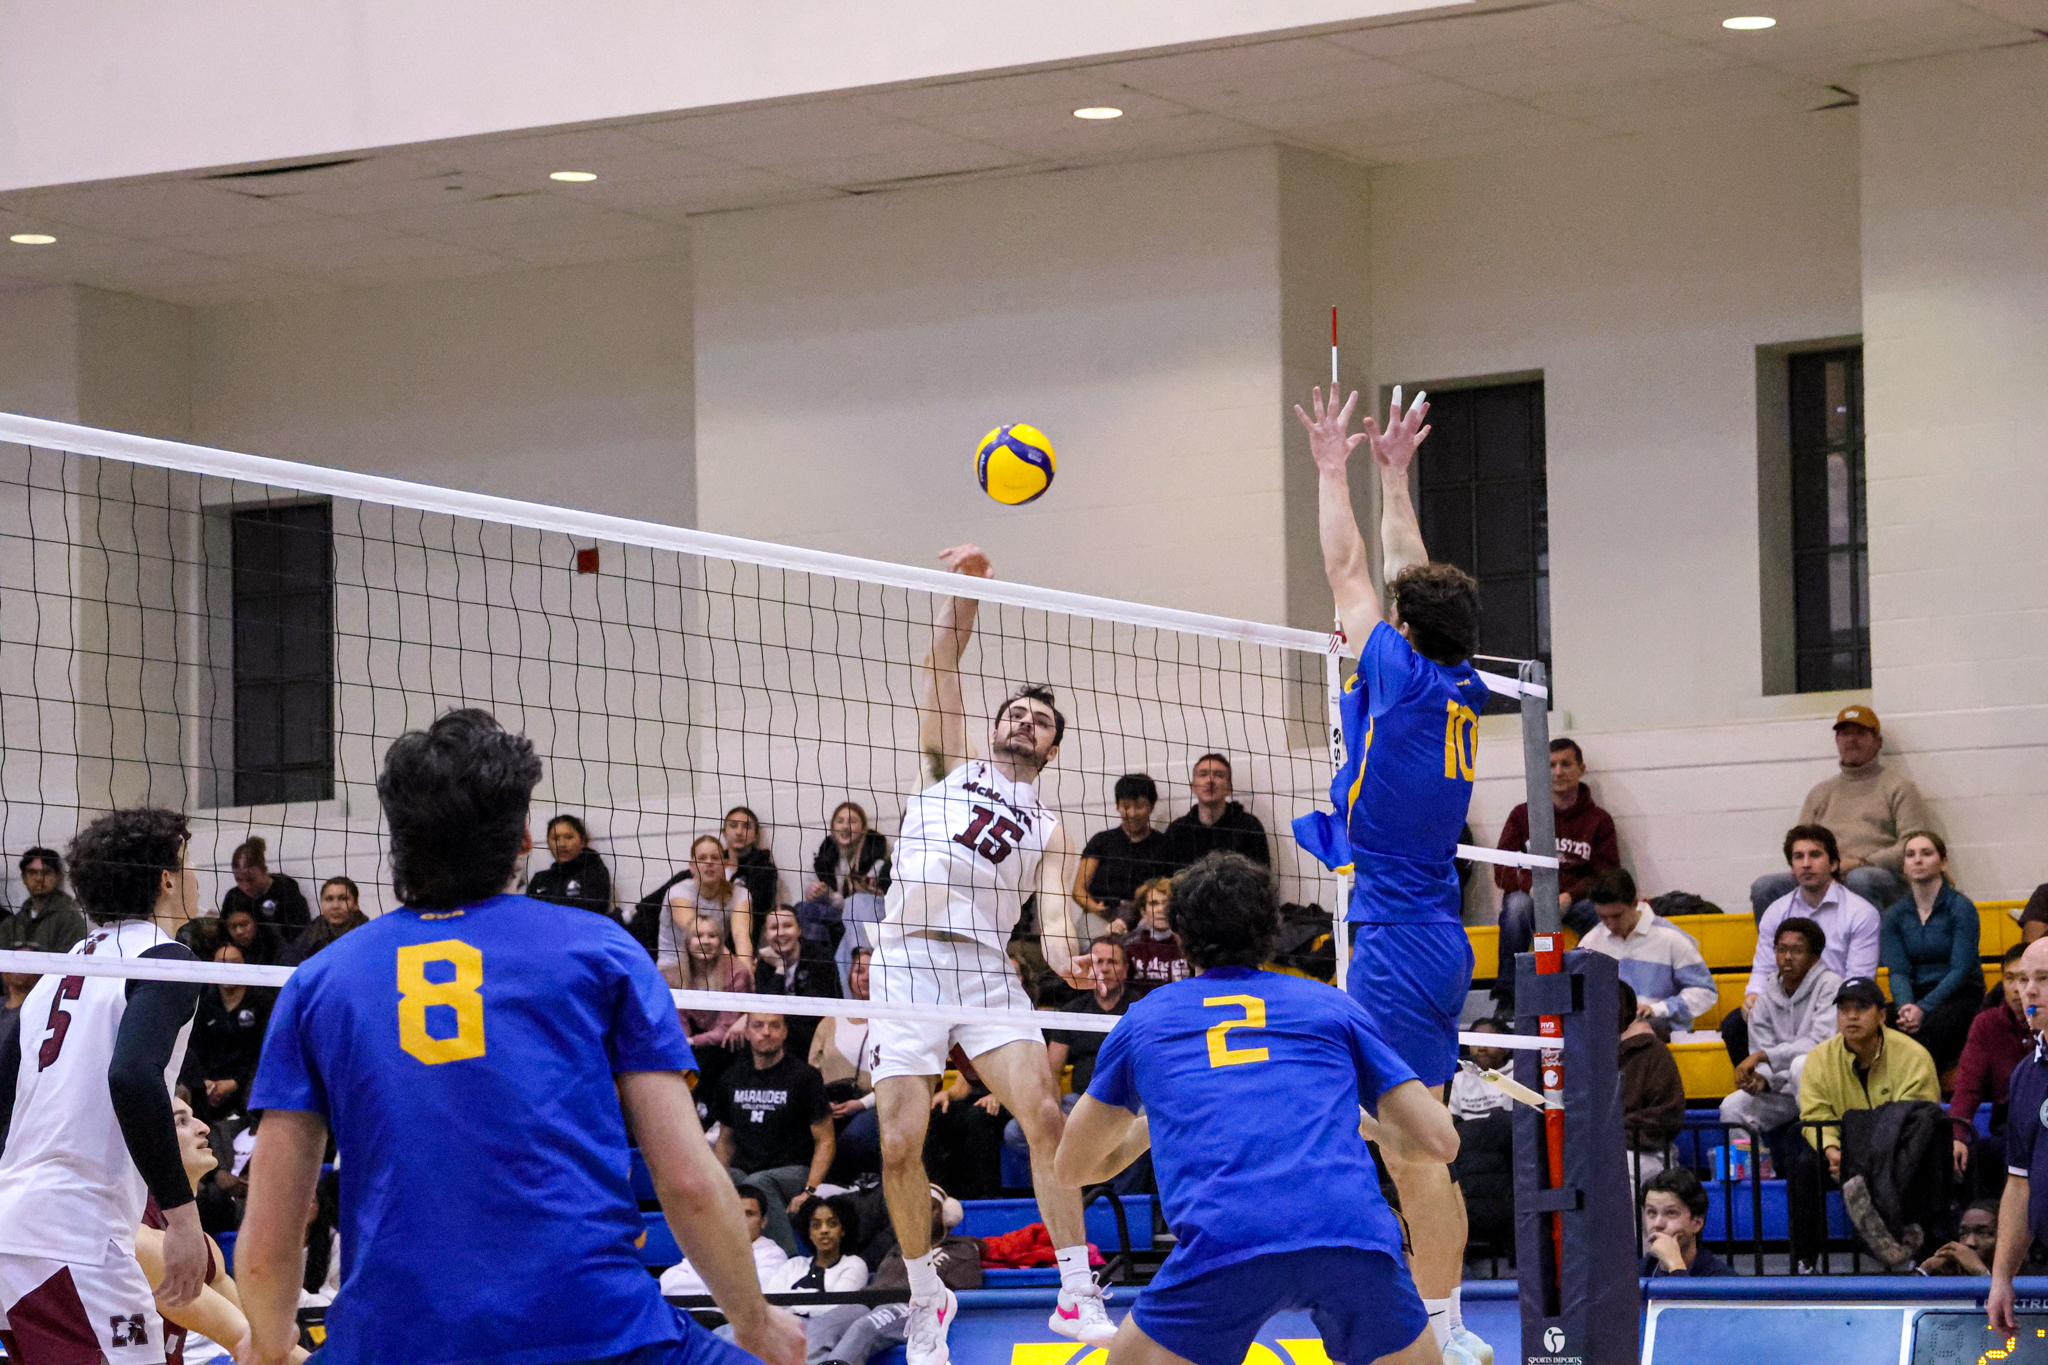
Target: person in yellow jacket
(1863, 1066)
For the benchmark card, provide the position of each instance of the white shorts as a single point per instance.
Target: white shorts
(913, 969)
(63, 1313)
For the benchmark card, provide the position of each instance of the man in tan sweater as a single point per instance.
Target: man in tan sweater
(1870, 808)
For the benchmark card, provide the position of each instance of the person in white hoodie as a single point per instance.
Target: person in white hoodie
(828, 1225)
(681, 1280)
(1793, 1014)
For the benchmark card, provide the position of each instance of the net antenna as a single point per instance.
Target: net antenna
(241, 638)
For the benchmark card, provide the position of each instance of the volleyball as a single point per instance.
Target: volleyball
(1014, 463)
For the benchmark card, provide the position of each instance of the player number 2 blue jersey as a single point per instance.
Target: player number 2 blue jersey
(1410, 739)
(1252, 1083)
(465, 1062)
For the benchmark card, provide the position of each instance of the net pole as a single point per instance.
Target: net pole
(1333, 678)
(1548, 938)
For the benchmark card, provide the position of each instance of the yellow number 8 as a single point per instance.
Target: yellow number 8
(1221, 1053)
(416, 995)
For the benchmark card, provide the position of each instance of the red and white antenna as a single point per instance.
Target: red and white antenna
(1333, 350)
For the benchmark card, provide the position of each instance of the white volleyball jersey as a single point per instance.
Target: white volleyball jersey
(968, 856)
(68, 1189)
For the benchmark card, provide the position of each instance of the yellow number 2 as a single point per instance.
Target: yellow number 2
(1221, 1053)
(416, 995)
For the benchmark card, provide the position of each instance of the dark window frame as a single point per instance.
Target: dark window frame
(1481, 487)
(1829, 520)
(282, 567)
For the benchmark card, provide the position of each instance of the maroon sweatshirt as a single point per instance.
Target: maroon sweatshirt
(1996, 1044)
(1586, 846)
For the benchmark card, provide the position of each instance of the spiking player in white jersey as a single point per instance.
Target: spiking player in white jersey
(975, 844)
(85, 1106)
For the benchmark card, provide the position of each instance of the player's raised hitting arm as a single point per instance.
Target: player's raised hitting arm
(1346, 559)
(942, 714)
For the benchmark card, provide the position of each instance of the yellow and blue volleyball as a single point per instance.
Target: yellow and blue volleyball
(1014, 463)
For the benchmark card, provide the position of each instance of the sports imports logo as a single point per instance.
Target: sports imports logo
(1553, 1339)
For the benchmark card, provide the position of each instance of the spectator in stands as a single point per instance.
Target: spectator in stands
(1151, 951)
(272, 897)
(790, 964)
(1116, 862)
(578, 877)
(2000, 1038)
(708, 896)
(256, 941)
(1215, 823)
(1658, 959)
(226, 1039)
(1077, 1048)
(1586, 847)
(776, 1132)
(1863, 1066)
(1652, 1092)
(844, 1051)
(681, 1280)
(1975, 1244)
(1929, 945)
(1794, 1014)
(850, 875)
(49, 920)
(1871, 809)
(2034, 918)
(750, 864)
(1485, 1168)
(1674, 1215)
(1852, 924)
(715, 1035)
(341, 909)
(849, 1334)
(830, 1227)
(1470, 1096)
(964, 1144)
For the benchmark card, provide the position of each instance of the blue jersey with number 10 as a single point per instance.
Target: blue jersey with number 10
(465, 1060)
(1410, 734)
(1251, 1082)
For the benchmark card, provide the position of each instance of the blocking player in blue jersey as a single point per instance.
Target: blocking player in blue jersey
(480, 1058)
(1247, 1085)
(1410, 714)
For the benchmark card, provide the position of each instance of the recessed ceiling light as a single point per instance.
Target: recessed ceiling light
(1746, 21)
(32, 239)
(1098, 111)
(573, 177)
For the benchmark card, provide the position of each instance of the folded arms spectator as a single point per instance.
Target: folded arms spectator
(1871, 809)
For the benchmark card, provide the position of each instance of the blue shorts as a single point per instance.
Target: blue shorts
(1413, 979)
(698, 1346)
(1362, 1302)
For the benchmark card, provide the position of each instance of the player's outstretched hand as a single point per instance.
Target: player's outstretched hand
(777, 1339)
(1329, 431)
(1394, 448)
(967, 559)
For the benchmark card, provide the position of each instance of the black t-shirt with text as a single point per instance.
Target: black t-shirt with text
(1082, 1047)
(1121, 867)
(770, 1113)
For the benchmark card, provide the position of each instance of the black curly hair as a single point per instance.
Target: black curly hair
(1225, 909)
(119, 860)
(456, 796)
(1439, 603)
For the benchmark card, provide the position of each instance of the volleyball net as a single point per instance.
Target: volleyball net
(240, 639)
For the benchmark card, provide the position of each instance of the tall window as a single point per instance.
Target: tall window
(284, 654)
(1485, 509)
(1830, 546)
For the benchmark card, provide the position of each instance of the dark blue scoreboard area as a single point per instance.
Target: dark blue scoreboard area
(1950, 1337)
